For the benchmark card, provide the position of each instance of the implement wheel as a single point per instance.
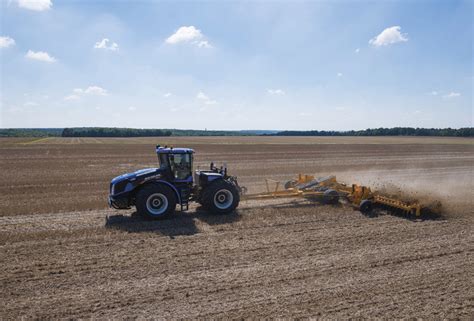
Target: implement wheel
(290, 184)
(221, 197)
(330, 197)
(366, 207)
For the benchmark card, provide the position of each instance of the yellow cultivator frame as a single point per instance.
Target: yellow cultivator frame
(330, 191)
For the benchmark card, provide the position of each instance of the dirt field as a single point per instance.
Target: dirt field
(65, 254)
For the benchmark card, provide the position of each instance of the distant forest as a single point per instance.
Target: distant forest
(30, 132)
(134, 132)
(396, 131)
(113, 132)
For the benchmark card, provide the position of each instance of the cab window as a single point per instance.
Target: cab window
(180, 165)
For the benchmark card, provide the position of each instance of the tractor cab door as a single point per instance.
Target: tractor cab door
(181, 166)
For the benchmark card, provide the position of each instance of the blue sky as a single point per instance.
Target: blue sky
(327, 65)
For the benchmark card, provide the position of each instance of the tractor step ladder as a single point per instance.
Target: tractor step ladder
(184, 206)
(184, 196)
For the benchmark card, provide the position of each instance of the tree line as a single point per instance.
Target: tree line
(135, 132)
(113, 132)
(396, 131)
(30, 132)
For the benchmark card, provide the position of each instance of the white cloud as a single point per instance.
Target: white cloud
(95, 90)
(91, 90)
(36, 5)
(339, 74)
(434, 93)
(452, 95)
(104, 44)
(202, 96)
(189, 35)
(132, 108)
(167, 95)
(277, 92)
(71, 97)
(30, 104)
(357, 50)
(204, 44)
(205, 99)
(6, 42)
(389, 36)
(40, 56)
(184, 34)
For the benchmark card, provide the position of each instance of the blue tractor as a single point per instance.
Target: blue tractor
(155, 192)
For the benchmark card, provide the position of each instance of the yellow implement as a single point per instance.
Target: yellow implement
(330, 191)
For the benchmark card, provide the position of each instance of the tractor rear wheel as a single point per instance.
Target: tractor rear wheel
(221, 197)
(156, 202)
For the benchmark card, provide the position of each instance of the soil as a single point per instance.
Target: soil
(66, 255)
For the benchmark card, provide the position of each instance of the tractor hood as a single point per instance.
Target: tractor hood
(128, 181)
(140, 174)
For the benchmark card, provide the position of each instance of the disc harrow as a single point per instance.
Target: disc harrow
(330, 191)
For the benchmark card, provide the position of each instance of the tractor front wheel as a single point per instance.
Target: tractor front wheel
(156, 202)
(221, 197)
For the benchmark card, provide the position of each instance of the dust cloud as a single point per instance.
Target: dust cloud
(449, 194)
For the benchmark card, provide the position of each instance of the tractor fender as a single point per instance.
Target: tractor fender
(232, 181)
(161, 182)
(214, 180)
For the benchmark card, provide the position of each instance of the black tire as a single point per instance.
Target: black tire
(290, 184)
(221, 197)
(365, 207)
(330, 197)
(203, 205)
(156, 202)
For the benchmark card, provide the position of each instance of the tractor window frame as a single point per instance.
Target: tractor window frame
(163, 160)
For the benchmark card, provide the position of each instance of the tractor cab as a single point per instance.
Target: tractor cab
(177, 162)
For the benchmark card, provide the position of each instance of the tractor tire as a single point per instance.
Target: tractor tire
(330, 197)
(203, 205)
(365, 207)
(156, 202)
(221, 197)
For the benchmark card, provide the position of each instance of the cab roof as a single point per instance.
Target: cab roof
(171, 150)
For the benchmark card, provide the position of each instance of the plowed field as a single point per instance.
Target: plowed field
(65, 254)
